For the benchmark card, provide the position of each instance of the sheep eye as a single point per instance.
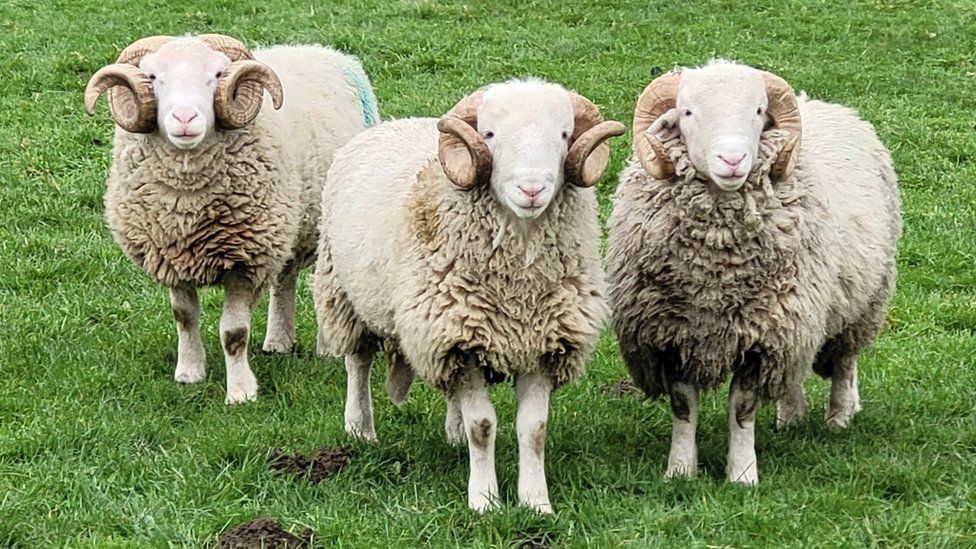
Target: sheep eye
(688, 112)
(565, 135)
(219, 74)
(152, 76)
(759, 111)
(489, 135)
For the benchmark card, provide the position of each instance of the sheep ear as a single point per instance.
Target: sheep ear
(665, 128)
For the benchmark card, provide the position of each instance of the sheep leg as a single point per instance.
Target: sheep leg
(359, 402)
(280, 336)
(844, 398)
(191, 361)
(532, 391)
(683, 459)
(791, 407)
(235, 330)
(481, 426)
(454, 421)
(742, 467)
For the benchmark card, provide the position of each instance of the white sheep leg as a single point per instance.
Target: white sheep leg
(359, 402)
(683, 459)
(454, 421)
(280, 336)
(532, 391)
(742, 467)
(844, 398)
(191, 361)
(481, 426)
(791, 407)
(235, 329)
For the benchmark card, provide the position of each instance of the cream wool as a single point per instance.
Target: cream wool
(463, 286)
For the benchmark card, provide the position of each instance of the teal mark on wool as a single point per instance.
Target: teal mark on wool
(355, 75)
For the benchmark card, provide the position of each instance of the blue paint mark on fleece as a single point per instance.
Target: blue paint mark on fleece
(355, 75)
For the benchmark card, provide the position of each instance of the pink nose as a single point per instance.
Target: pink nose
(184, 117)
(732, 162)
(531, 191)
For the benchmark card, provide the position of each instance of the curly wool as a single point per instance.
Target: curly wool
(705, 283)
(189, 220)
(245, 200)
(467, 282)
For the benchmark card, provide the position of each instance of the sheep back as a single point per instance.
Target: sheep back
(702, 281)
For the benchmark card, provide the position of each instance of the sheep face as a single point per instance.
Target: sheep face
(527, 126)
(184, 74)
(720, 113)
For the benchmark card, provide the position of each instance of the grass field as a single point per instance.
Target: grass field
(99, 447)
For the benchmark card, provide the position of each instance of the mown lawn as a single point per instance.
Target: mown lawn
(99, 447)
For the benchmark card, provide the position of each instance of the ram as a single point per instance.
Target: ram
(753, 237)
(467, 256)
(209, 187)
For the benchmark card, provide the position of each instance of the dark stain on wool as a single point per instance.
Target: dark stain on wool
(235, 341)
(182, 317)
(539, 438)
(679, 406)
(481, 433)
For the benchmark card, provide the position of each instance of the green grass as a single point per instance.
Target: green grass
(99, 447)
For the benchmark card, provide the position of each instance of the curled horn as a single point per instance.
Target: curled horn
(785, 114)
(589, 153)
(130, 92)
(462, 151)
(657, 98)
(240, 88)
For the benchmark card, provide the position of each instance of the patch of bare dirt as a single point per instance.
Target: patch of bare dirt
(320, 465)
(262, 533)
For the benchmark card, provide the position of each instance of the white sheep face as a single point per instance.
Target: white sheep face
(527, 126)
(721, 112)
(184, 74)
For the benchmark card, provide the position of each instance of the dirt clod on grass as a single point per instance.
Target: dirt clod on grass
(320, 465)
(622, 388)
(262, 533)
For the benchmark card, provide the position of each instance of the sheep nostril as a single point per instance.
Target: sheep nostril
(531, 191)
(731, 160)
(184, 117)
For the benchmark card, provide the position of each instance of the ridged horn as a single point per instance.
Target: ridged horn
(589, 151)
(784, 111)
(657, 98)
(462, 151)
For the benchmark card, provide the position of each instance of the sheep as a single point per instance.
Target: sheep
(754, 237)
(466, 256)
(207, 187)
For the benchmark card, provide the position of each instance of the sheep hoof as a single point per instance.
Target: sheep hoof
(482, 503)
(680, 470)
(839, 419)
(244, 390)
(541, 506)
(365, 434)
(745, 476)
(186, 374)
(277, 344)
